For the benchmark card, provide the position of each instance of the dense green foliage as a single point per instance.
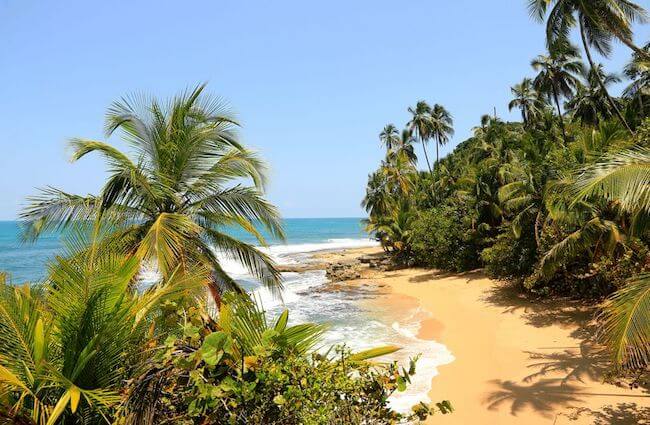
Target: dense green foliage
(240, 370)
(558, 202)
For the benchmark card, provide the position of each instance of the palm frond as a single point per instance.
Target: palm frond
(626, 323)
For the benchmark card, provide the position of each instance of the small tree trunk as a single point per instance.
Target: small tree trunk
(600, 81)
(216, 294)
(424, 147)
(437, 156)
(537, 238)
(559, 112)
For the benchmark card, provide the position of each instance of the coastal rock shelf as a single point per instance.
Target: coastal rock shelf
(348, 270)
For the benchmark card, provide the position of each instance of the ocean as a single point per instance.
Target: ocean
(355, 318)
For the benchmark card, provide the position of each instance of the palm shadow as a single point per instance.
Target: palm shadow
(588, 361)
(439, 274)
(539, 312)
(544, 396)
(619, 414)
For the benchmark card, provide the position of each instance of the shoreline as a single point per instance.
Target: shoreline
(516, 360)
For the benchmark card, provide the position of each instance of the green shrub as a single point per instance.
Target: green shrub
(239, 370)
(443, 238)
(510, 257)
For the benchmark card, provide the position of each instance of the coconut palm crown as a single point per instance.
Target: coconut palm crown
(170, 200)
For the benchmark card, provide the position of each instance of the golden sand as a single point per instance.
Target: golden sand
(517, 361)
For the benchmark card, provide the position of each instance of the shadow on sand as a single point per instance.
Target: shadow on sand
(558, 372)
(619, 414)
(469, 276)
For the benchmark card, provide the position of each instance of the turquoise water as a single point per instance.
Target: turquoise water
(27, 261)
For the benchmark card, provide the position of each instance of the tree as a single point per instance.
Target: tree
(405, 146)
(599, 22)
(441, 127)
(67, 347)
(558, 76)
(590, 103)
(525, 99)
(638, 71)
(420, 126)
(389, 137)
(171, 199)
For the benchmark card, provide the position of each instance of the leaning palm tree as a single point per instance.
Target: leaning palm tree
(442, 127)
(525, 99)
(599, 22)
(389, 137)
(171, 200)
(558, 76)
(420, 126)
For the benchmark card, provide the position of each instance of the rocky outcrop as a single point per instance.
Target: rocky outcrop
(380, 262)
(348, 270)
(303, 267)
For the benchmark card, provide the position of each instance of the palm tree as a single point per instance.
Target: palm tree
(638, 71)
(171, 200)
(525, 98)
(441, 127)
(558, 76)
(377, 199)
(67, 347)
(590, 102)
(420, 126)
(389, 137)
(405, 146)
(599, 22)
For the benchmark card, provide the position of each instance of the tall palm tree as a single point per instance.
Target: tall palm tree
(525, 98)
(389, 137)
(558, 76)
(420, 126)
(441, 127)
(638, 91)
(590, 102)
(171, 200)
(599, 22)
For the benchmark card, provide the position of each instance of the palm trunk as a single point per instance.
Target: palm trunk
(216, 294)
(437, 156)
(424, 147)
(559, 112)
(600, 81)
(523, 117)
(537, 238)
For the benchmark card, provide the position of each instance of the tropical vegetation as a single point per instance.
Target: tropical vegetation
(557, 202)
(96, 342)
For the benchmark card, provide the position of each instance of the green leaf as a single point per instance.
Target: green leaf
(373, 353)
(214, 347)
(279, 400)
(281, 323)
(401, 384)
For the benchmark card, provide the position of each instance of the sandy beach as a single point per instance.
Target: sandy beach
(517, 361)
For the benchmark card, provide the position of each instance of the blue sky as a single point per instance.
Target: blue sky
(312, 82)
